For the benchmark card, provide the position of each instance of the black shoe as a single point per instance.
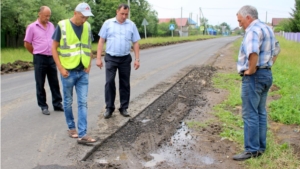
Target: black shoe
(46, 112)
(60, 108)
(124, 112)
(108, 114)
(246, 155)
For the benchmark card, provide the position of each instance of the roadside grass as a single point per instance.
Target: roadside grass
(284, 74)
(13, 54)
(159, 40)
(196, 124)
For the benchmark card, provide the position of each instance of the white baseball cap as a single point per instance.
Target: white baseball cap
(84, 8)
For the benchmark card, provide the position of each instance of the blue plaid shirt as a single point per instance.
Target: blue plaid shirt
(259, 38)
(119, 36)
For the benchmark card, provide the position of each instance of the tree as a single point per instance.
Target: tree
(283, 26)
(102, 11)
(163, 29)
(152, 27)
(139, 9)
(203, 22)
(295, 21)
(16, 16)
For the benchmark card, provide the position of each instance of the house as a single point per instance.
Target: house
(276, 21)
(180, 22)
(192, 23)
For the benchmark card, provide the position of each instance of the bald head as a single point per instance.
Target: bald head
(44, 14)
(42, 8)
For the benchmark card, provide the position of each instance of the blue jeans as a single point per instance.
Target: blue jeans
(79, 80)
(254, 95)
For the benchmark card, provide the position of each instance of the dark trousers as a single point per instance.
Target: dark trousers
(45, 66)
(123, 65)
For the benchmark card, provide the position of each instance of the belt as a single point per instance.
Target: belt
(117, 56)
(257, 68)
(45, 55)
(263, 67)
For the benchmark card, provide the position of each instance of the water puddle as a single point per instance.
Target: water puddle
(145, 120)
(157, 158)
(180, 151)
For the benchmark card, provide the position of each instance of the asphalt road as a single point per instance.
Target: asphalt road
(29, 138)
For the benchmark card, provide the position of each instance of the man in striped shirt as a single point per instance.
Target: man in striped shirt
(254, 65)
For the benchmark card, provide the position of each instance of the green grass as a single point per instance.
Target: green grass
(285, 109)
(13, 54)
(196, 124)
(286, 77)
(173, 39)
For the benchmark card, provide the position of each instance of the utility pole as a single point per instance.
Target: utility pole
(266, 16)
(128, 2)
(199, 18)
(181, 22)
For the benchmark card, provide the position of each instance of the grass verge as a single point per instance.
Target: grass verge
(285, 75)
(13, 54)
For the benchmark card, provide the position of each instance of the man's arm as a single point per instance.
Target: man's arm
(28, 46)
(274, 59)
(253, 58)
(87, 70)
(99, 52)
(61, 69)
(276, 51)
(136, 50)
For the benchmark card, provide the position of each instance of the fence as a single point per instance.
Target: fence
(291, 36)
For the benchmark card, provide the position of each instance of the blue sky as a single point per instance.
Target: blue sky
(218, 11)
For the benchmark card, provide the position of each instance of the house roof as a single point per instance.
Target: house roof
(163, 20)
(191, 22)
(179, 22)
(276, 21)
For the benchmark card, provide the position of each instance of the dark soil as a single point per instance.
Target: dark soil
(17, 66)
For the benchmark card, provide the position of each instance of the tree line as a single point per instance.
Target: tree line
(16, 15)
(292, 24)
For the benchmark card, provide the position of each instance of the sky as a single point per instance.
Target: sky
(219, 11)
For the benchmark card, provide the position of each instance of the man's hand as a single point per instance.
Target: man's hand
(64, 73)
(87, 70)
(99, 63)
(29, 47)
(136, 64)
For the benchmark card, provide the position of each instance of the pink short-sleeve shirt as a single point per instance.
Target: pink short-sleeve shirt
(40, 37)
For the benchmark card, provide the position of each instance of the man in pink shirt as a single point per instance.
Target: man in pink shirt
(38, 41)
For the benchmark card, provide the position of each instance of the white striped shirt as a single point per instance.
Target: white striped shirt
(259, 38)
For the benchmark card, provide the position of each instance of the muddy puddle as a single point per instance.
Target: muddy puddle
(181, 145)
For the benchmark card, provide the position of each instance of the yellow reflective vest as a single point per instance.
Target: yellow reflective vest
(73, 50)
